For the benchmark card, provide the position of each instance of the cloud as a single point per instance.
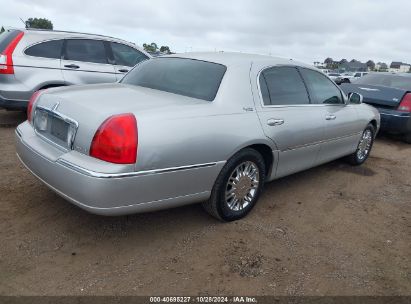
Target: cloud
(305, 30)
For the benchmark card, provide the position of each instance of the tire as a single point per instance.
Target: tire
(251, 164)
(407, 138)
(364, 147)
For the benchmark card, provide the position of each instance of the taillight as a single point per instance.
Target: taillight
(32, 101)
(116, 140)
(405, 105)
(6, 57)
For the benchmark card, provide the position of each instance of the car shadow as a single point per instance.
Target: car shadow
(11, 119)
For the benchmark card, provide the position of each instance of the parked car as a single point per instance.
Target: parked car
(360, 74)
(391, 95)
(344, 78)
(334, 76)
(203, 127)
(32, 60)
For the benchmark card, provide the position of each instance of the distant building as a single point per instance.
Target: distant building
(399, 67)
(353, 66)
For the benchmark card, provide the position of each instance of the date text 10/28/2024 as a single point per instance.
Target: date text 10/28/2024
(203, 299)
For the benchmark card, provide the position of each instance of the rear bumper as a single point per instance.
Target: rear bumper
(393, 121)
(114, 193)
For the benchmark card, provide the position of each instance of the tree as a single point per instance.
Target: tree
(165, 49)
(370, 65)
(353, 60)
(39, 23)
(151, 48)
(2, 30)
(328, 60)
(343, 61)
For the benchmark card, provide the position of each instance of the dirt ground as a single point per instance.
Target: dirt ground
(331, 230)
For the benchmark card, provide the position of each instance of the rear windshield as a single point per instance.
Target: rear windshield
(187, 77)
(6, 37)
(393, 81)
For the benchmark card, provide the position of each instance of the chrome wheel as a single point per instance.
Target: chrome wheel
(364, 146)
(242, 186)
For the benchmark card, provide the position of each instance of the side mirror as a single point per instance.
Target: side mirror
(355, 98)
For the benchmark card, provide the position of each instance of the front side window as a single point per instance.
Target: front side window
(321, 89)
(48, 49)
(126, 55)
(187, 77)
(85, 50)
(283, 86)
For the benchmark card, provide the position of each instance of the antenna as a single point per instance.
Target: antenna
(25, 24)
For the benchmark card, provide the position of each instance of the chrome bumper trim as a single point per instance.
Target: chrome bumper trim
(90, 173)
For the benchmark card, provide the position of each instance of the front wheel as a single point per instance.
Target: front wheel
(237, 187)
(364, 147)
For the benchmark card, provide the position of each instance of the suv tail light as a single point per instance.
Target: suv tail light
(116, 140)
(6, 57)
(31, 103)
(405, 105)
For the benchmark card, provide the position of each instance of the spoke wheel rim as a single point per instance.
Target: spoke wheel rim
(364, 146)
(242, 186)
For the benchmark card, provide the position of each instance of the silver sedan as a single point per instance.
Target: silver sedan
(203, 127)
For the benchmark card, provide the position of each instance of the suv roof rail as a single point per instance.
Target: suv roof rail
(68, 32)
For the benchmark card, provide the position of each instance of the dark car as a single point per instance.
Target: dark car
(391, 95)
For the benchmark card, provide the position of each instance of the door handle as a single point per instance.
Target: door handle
(275, 122)
(123, 71)
(330, 117)
(72, 66)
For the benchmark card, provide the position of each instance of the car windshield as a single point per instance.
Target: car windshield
(187, 77)
(394, 81)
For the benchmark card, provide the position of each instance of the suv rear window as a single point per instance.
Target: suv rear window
(6, 37)
(187, 77)
(48, 49)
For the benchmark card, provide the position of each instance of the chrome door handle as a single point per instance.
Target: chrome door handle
(330, 117)
(275, 122)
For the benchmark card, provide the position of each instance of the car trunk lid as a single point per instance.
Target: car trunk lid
(378, 96)
(82, 109)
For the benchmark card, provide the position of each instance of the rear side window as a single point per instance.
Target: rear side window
(283, 86)
(48, 49)
(322, 90)
(187, 77)
(85, 50)
(7, 37)
(126, 55)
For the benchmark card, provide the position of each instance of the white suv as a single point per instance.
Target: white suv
(32, 60)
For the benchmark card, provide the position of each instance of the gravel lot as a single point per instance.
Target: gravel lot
(331, 230)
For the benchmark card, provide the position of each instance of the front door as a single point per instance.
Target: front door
(342, 127)
(288, 118)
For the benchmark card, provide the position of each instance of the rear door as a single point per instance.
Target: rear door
(288, 118)
(125, 58)
(342, 126)
(86, 61)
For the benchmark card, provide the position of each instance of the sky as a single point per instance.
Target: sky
(305, 30)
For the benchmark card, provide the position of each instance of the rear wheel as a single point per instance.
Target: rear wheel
(364, 147)
(407, 138)
(238, 186)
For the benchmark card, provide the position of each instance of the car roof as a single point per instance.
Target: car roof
(68, 34)
(236, 59)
